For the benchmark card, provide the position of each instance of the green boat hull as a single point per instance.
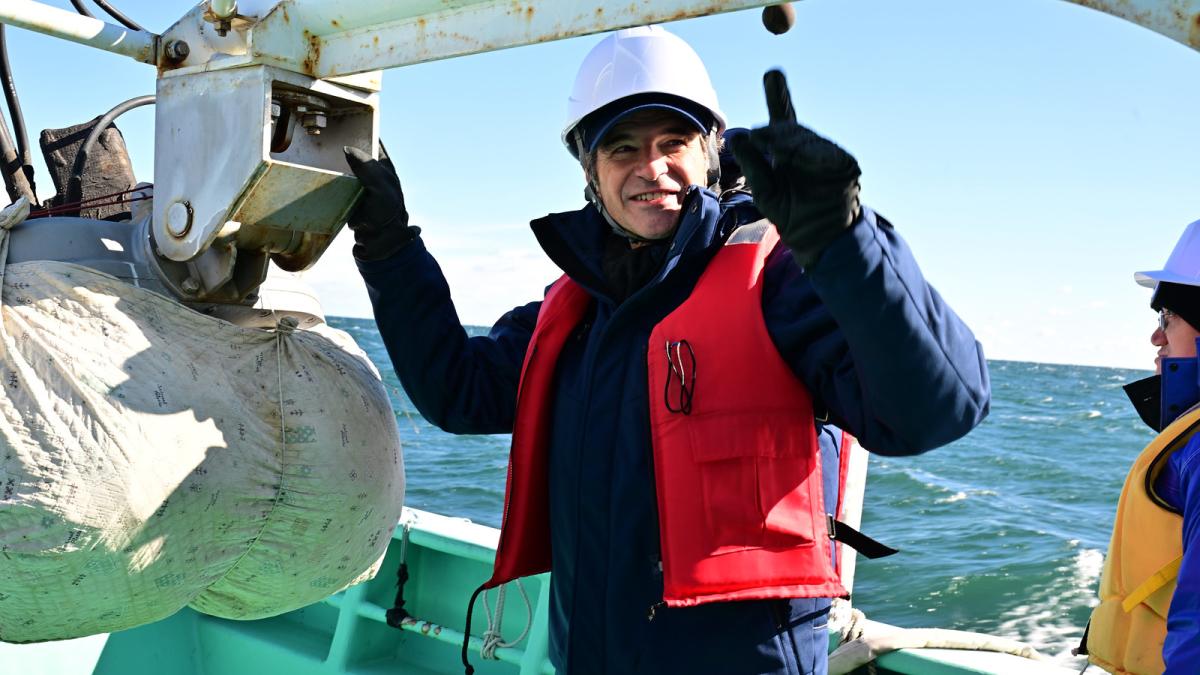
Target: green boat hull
(348, 633)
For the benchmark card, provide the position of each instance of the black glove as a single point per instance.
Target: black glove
(380, 221)
(805, 184)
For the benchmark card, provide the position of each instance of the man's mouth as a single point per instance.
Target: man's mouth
(654, 196)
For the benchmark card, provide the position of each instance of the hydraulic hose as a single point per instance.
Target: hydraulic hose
(82, 8)
(75, 184)
(25, 158)
(112, 11)
(14, 179)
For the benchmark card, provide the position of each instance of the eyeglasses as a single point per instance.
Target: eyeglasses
(681, 371)
(1164, 319)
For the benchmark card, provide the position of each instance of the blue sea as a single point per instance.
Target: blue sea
(1002, 532)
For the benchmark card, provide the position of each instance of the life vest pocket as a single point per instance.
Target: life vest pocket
(754, 482)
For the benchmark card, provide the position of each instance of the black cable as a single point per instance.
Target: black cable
(112, 11)
(10, 172)
(82, 8)
(75, 184)
(21, 136)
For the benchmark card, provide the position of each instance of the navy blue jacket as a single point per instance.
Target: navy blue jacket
(873, 342)
(1179, 486)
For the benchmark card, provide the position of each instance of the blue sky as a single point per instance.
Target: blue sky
(1033, 153)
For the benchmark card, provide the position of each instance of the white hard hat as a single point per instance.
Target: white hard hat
(1183, 267)
(658, 68)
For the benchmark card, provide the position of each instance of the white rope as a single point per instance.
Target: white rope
(846, 620)
(14, 214)
(492, 640)
(862, 641)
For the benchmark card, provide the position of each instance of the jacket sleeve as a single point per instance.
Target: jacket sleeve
(875, 343)
(462, 384)
(1181, 651)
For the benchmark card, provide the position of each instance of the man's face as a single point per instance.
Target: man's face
(1174, 337)
(644, 164)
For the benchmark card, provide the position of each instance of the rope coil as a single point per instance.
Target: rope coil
(492, 639)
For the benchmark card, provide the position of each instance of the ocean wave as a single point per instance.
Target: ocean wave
(956, 497)
(1093, 414)
(1043, 620)
(1038, 418)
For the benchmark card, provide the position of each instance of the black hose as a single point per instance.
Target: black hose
(82, 8)
(10, 167)
(25, 157)
(75, 184)
(112, 11)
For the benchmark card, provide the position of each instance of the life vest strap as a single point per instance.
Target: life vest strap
(1165, 575)
(868, 547)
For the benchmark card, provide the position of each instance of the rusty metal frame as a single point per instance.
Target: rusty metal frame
(324, 39)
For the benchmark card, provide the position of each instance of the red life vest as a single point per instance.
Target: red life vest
(737, 467)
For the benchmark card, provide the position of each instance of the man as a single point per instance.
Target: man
(670, 397)
(1148, 619)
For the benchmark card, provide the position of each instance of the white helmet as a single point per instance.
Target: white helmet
(1183, 267)
(636, 62)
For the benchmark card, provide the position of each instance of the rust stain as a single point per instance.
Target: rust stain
(599, 12)
(1123, 9)
(529, 11)
(375, 39)
(286, 18)
(1194, 31)
(335, 23)
(313, 57)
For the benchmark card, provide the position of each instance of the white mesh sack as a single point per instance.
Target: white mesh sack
(153, 458)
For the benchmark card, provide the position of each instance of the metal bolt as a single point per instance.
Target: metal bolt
(276, 109)
(313, 123)
(190, 286)
(176, 51)
(179, 219)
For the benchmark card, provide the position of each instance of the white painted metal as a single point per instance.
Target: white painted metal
(35, 16)
(178, 219)
(852, 507)
(1176, 19)
(212, 150)
(353, 37)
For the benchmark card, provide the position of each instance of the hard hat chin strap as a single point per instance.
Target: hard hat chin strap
(713, 146)
(592, 194)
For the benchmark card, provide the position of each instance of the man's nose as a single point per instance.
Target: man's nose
(1158, 338)
(653, 164)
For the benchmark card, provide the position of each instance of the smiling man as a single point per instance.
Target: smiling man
(677, 397)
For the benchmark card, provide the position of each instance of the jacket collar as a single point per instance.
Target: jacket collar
(1160, 399)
